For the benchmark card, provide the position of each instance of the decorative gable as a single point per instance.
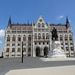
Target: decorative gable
(40, 23)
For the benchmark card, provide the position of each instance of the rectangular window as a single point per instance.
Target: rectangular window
(29, 54)
(66, 48)
(66, 38)
(7, 50)
(13, 31)
(19, 38)
(70, 38)
(61, 38)
(13, 38)
(8, 44)
(13, 44)
(8, 38)
(29, 49)
(18, 50)
(24, 38)
(71, 48)
(13, 49)
(18, 44)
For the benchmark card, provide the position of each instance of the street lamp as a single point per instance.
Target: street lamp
(22, 52)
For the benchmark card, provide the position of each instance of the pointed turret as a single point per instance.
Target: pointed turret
(9, 22)
(67, 22)
(32, 23)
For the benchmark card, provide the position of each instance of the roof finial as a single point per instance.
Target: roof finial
(40, 14)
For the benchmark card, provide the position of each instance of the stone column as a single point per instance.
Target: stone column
(16, 44)
(10, 46)
(33, 50)
(27, 45)
(73, 44)
(64, 43)
(69, 44)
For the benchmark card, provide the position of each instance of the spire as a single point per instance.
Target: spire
(67, 22)
(32, 23)
(10, 19)
(9, 22)
(40, 14)
(48, 23)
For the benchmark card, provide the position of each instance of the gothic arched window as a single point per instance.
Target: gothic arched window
(29, 37)
(42, 24)
(38, 24)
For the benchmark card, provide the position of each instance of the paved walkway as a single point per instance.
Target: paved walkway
(66, 70)
(30, 64)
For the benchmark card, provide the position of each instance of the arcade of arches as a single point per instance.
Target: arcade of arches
(38, 51)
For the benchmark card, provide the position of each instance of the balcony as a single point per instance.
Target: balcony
(41, 40)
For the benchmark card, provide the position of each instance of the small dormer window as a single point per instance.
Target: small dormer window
(40, 20)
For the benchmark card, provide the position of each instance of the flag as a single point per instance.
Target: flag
(39, 36)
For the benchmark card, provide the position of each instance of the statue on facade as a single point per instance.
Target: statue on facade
(54, 34)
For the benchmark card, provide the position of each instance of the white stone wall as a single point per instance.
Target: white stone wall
(36, 29)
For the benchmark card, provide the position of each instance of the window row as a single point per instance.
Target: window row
(41, 25)
(41, 43)
(67, 43)
(19, 38)
(24, 44)
(21, 31)
(67, 49)
(18, 55)
(39, 36)
(70, 38)
(18, 50)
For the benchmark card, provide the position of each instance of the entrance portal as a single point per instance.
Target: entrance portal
(37, 51)
(45, 51)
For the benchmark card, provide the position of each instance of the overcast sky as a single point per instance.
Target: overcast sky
(22, 11)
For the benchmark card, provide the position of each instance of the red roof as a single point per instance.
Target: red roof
(21, 27)
(29, 27)
(58, 27)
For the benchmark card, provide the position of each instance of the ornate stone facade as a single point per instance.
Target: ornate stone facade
(36, 39)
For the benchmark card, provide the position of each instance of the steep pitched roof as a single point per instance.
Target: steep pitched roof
(29, 27)
(21, 27)
(58, 27)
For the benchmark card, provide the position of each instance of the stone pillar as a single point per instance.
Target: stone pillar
(33, 50)
(64, 42)
(10, 51)
(73, 44)
(69, 44)
(42, 50)
(16, 44)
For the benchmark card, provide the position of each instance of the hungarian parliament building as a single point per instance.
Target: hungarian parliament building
(36, 38)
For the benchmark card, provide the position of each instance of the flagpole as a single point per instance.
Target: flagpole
(49, 35)
(22, 52)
